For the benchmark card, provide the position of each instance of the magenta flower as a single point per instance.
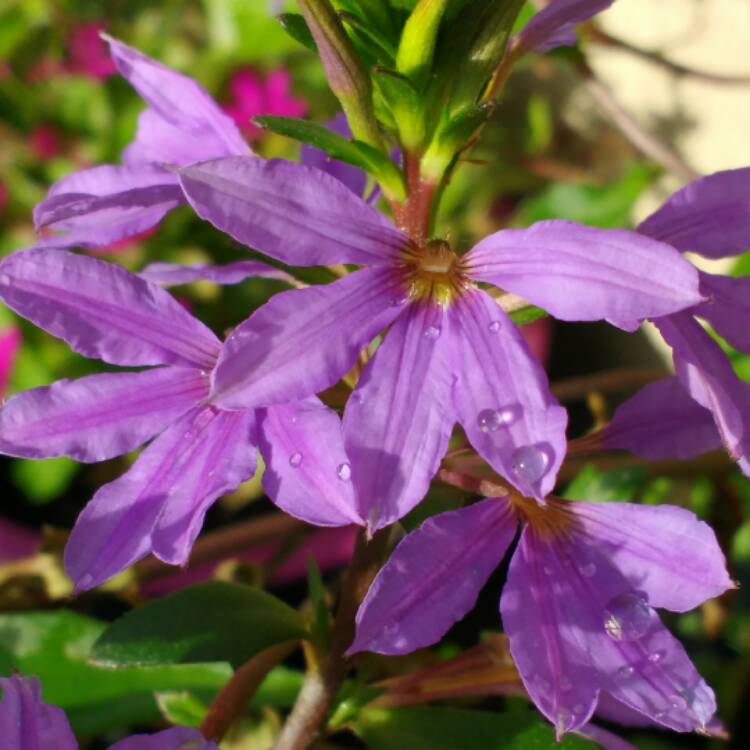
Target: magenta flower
(88, 52)
(181, 125)
(10, 340)
(44, 141)
(710, 216)
(27, 723)
(578, 605)
(451, 353)
(254, 95)
(199, 451)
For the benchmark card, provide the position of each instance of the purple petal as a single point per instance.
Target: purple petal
(577, 626)
(178, 99)
(104, 312)
(433, 578)
(707, 374)
(158, 141)
(173, 274)
(554, 25)
(176, 738)
(158, 504)
(26, 723)
(502, 396)
(604, 738)
(302, 341)
(293, 213)
(663, 550)
(353, 177)
(398, 421)
(661, 421)
(728, 308)
(223, 456)
(710, 216)
(99, 416)
(307, 470)
(104, 204)
(583, 273)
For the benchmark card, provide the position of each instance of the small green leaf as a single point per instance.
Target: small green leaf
(448, 729)
(182, 708)
(295, 25)
(527, 314)
(43, 481)
(210, 622)
(605, 486)
(321, 617)
(358, 153)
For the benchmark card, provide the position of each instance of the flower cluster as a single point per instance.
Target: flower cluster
(420, 334)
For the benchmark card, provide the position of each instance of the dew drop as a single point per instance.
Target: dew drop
(625, 672)
(588, 570)
(495, 326)
(541, 683)
(547, 570)
(188, 435)
(489, 420)
(627, 617)
(656, 657)
(212, 473)
(344, 472)
(203, 374)
(530, 463)
(295, 459)
(400, 300)
(432, 333)
(660, 715)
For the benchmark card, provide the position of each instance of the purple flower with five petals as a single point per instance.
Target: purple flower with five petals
(578, 604)
(199, 451)
(27, 723)
(710, 216)
(451, 353)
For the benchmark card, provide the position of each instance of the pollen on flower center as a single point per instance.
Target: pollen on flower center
(433, 271)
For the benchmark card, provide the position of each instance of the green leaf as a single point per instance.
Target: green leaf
(527, 314)
(55, 647)
(295, 25)
(359, 154)
(210, 622)
(321, 614)
(449, 729)
(182, 708)
(605, 486)
(43, 481)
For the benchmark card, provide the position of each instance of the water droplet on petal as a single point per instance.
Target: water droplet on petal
(626, 671)
(188, 435)
(295, 459)
(344, 472)
(588, 570)
(399, 300)
(656, 657)
(659, 715)
(432, 332)
(530, 463)
(489, 420)
(495, 326)
(541, 683)
(203, 374)
(510, 414)
(627, 617)
(547, 570)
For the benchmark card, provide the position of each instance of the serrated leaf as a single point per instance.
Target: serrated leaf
(449, 729)
(357, 153)
(54, 646)
(210, 622)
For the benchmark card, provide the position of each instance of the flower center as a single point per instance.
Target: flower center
(553, 519)
(433, 272)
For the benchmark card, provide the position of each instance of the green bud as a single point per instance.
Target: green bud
(346, 75)
(417, 46)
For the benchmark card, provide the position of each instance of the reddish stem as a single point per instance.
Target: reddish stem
(413, 216)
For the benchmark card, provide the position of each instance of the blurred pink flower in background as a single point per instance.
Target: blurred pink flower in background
(253, 95)
(10, 340)
(87, 52)
(45, 141)
(16, 541)
(3, 197)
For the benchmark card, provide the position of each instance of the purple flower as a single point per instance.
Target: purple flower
(199, 451)
(578, 605)
(451, 353)
(27, 723)
(181, 125)
(554, 25)
(710, 216)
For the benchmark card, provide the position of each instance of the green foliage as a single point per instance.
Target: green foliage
(210, 622)
(450, 729)
(43, 481)
(618, 485)
(359, 154)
